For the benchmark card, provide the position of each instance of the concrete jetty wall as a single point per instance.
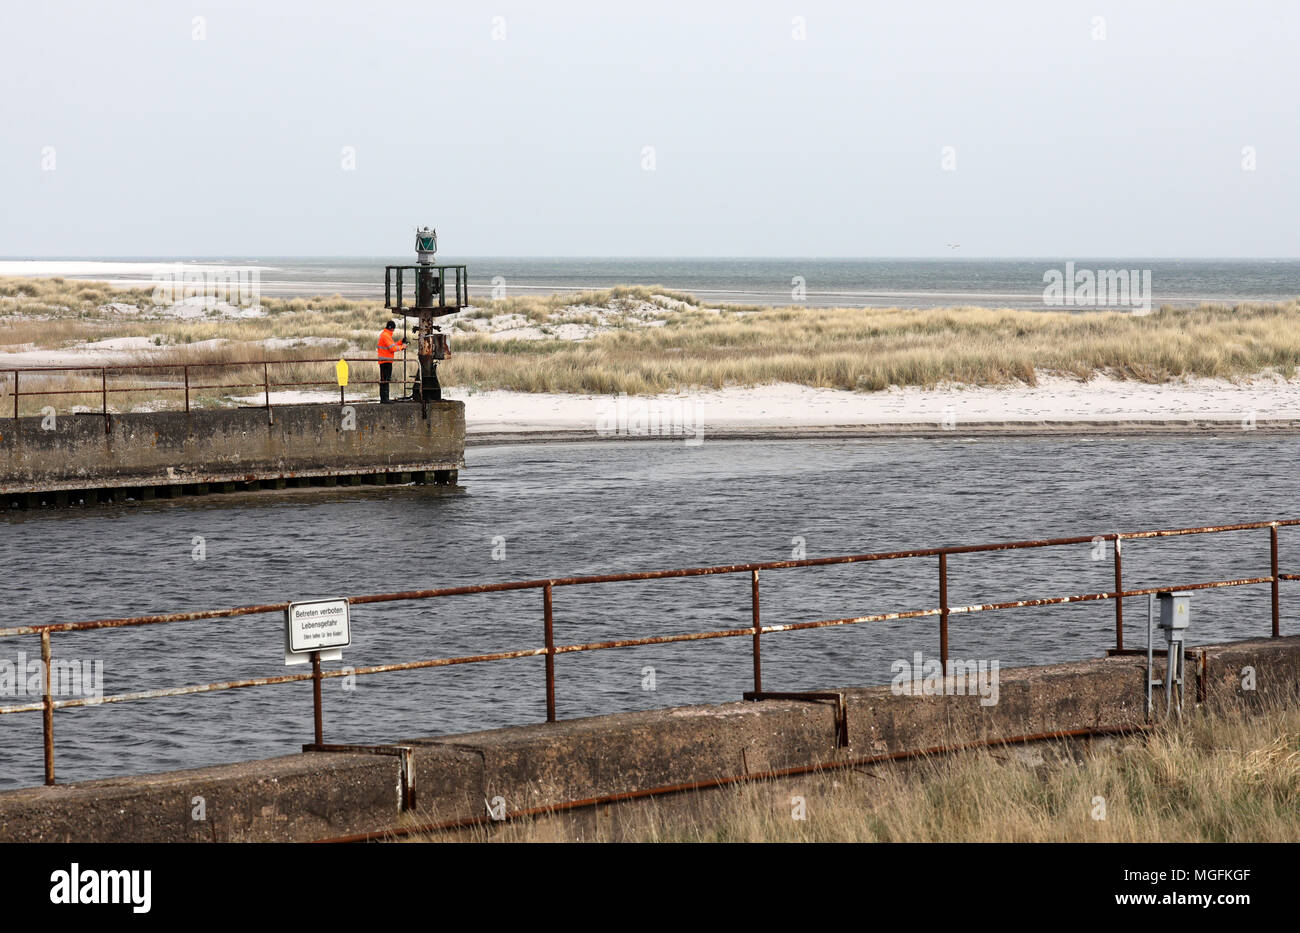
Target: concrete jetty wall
(174, 449)
(442, 780)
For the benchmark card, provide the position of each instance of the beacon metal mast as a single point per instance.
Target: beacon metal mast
(431, 301)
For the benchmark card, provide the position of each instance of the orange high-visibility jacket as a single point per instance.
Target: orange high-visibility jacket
(387, 345)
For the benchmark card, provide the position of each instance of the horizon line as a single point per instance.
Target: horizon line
(194, 257)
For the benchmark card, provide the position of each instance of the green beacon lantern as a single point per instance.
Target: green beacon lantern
(438, 290)
(426, 244)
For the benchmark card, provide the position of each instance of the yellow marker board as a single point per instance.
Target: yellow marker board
(341, 367)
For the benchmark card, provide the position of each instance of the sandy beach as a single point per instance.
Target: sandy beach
(1056, 405)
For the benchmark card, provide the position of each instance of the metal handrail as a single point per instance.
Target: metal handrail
(184, 370)
(549, 649)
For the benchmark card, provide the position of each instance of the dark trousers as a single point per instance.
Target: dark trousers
(385, 375)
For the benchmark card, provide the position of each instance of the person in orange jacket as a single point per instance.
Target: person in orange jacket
(388, 347)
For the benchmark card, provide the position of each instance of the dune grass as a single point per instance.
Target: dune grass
(860, 349)
(1231, 776)
(873, 348)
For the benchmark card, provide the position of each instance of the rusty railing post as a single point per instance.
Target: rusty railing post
(1277, 613)
(266, 384)
(550, 654)
(758, 631)
(187, 388)
(943, 612)
(103, 390)
(15, 394)
(48, 713)
(1119, 597)
(316, 702)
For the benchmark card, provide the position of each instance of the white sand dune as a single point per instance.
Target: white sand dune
(793, 407)
(107, 352)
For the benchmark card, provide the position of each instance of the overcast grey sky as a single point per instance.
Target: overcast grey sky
(521, 128)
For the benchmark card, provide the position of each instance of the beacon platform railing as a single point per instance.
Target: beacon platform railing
(549, 649)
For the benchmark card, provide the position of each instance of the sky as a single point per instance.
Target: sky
(745, 129)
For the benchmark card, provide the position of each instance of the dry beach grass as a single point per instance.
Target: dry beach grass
(1232, 776)
(644, 340)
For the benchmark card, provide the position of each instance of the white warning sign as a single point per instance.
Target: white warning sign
(318, 625)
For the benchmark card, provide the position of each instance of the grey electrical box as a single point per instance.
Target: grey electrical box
(1175, 613)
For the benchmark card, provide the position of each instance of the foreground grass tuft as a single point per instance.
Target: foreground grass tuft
(1229, 777)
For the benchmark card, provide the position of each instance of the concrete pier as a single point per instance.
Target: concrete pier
(446, 780)
(89, 458)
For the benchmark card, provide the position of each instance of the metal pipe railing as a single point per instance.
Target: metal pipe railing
(549, 649)
(186, 386)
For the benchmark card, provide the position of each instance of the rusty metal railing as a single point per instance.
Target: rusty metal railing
(10, 378)
(549, 649)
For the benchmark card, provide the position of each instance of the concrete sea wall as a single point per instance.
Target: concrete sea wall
(193, 451)
(448, 780)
